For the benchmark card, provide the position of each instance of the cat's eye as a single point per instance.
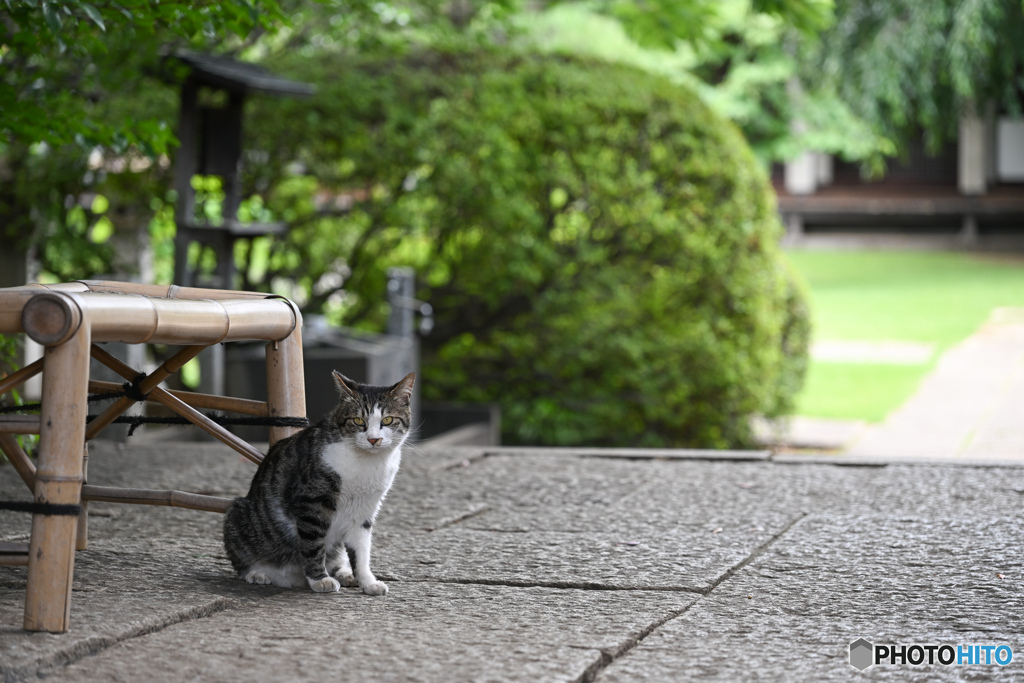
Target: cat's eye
(360, 422)
(386, 421)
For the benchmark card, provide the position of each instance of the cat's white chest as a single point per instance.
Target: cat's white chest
(365, 480)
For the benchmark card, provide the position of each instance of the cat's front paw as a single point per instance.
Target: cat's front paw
(346, 578)
(375, 588)
(324, 585)
(257, 577)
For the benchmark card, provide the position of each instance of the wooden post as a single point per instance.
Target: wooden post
(286, 383)
(82, 536)
(58, 481)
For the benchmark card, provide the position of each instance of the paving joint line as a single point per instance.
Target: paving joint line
(608, 658)
(556, 585)
(51, 663)
(456, 519)
(757, 552)
(609, 655)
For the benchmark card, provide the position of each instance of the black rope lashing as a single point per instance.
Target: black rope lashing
(132, 391)
(137, 421)
(36, 407)
(48, 509)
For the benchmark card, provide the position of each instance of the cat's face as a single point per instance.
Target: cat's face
(375, 419)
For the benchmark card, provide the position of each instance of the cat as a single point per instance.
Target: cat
(318, 492)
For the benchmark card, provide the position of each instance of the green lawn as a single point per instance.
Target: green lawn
(934, 298)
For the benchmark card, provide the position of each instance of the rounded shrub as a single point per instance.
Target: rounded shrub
(600, 249)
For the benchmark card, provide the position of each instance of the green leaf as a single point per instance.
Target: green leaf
(94, 15)
(100, 204)
(52, 17)
(558, 198)
(101, 231)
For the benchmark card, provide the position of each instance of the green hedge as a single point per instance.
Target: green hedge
(601, 250)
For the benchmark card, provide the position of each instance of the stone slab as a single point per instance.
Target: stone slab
(492, 557)
(669, 561)
(426, 633)
(791, 614)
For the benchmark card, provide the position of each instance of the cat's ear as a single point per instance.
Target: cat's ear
(346, 387)
(403, 390)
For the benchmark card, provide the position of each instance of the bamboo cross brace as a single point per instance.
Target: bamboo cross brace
(146, 385)
(19, 424)
(195, 417)
(182, 499)
(21, 376)
(149, 387)
(25, 468)
(243, 406)
(13, 554)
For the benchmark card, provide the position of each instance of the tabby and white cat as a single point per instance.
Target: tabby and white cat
(318, 493)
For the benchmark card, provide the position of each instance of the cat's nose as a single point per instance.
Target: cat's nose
(374, 442)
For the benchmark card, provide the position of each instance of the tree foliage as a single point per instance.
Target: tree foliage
(745, 66)
(82, 113)
(666, 23)
(869, 77)
(599, 248)
(62, 61)
(905, 66)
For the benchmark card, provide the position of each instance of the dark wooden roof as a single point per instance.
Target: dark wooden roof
(235, 76)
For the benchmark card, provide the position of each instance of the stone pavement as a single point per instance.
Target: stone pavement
(970, 407)
(552, 565)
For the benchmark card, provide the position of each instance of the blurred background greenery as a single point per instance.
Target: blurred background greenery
(928, 300)
(581, 185)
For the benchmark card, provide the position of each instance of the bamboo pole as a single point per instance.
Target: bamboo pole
(22, 464)
(169, 291)
(58, 481)
(286, 383)
(12, 302)
(206, 424)
(104, 419)
(73, 287)
(50, 317)
(181, 499)
(243, 406)
(19, 424)
(82, 535)
(21, 376)
(13, 554)
(268, 319)
(114, 363)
